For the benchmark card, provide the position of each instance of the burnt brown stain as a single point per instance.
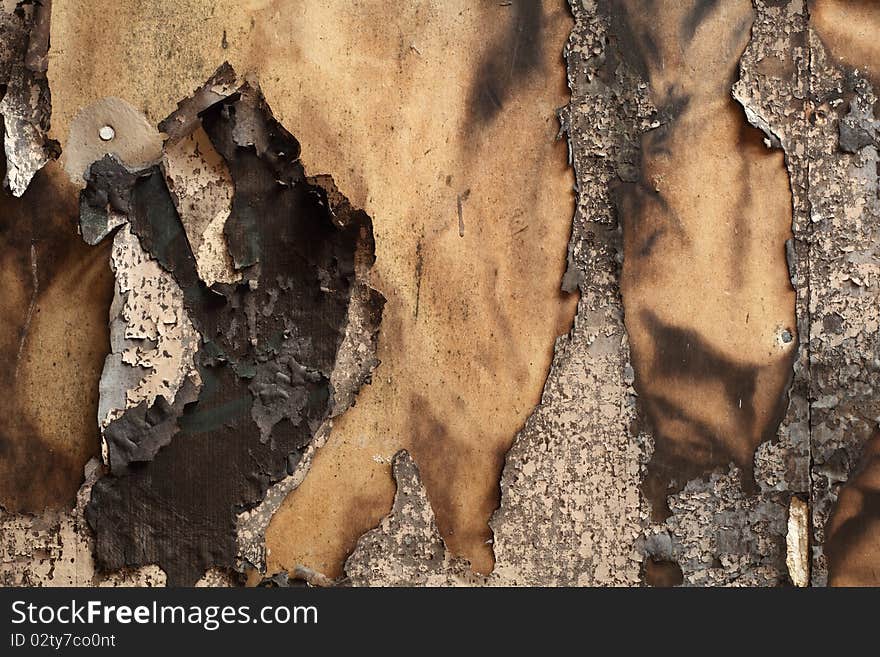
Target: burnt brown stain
(448, 476)
(53, 338)
(489, 302)
(697, 15)
(515, 55)
(267, 348)
(705, 218)
(852, 535)
(660, 573)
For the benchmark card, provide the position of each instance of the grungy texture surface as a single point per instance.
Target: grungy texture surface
(376, 317)
(708, 303)
(573, 508)
(25, 104)
(416, 111)
(406, 549)
(236, 377)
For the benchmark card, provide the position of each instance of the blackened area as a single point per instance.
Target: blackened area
(268, 346)
(143, 430)
(510, 61)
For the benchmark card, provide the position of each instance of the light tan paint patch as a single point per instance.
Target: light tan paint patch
(134, 141)
(202, 190)
(797, 541)
(153, 341)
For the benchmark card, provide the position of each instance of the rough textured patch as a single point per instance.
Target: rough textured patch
(263, 349)
(406, 549)
(202, 191)
(25, 102)
(55, 548)
(801, 94)
(152, 340)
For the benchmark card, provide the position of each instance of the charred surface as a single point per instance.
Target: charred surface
(53, 336)
(515, 55)
(852, 537)
(268, 346)
(25, 101)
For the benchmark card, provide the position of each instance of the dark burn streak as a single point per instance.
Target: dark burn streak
(708, 390)
(852, 543)
(267, 350)
(695, 17)
(512, 59)
(681, 354)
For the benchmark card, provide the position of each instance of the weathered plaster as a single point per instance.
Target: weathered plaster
(25, 104)
(652, 453)
(406, 549)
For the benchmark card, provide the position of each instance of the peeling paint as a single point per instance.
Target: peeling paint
(235, 378)
(406, 549)
(25, 104)
(797, 541)
(835, 226)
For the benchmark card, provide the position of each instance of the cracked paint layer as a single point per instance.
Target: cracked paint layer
(25, 101)
(572, 509)
(202, 190)
(797, 540)
(235, 379)
(813, 90)
(405, 157)
(406, 549)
